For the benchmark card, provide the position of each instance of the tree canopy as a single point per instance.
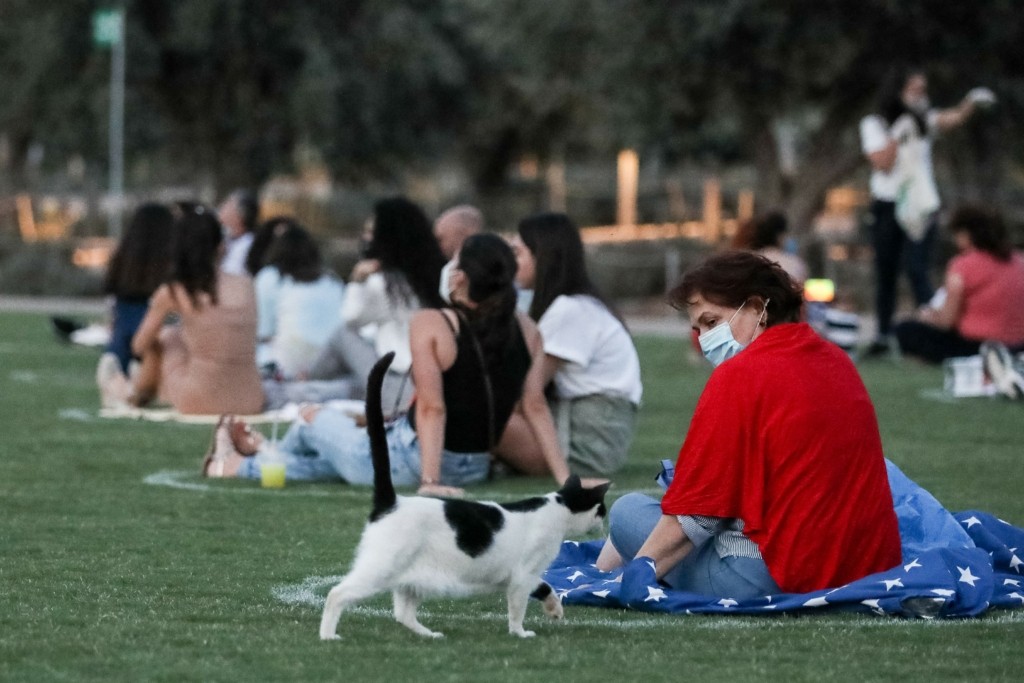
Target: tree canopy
(232, 90)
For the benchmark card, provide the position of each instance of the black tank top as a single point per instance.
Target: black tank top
(467, 427)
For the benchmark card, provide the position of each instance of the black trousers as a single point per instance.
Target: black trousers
(893, 250)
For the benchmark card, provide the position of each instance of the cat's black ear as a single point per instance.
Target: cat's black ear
(602, 489)
(572, 483)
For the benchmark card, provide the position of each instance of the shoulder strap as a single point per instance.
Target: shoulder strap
(448, 322)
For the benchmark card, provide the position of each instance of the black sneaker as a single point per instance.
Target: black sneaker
(1002, 369)
(63, 327)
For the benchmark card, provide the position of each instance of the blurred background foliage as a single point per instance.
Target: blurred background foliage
(483, 98)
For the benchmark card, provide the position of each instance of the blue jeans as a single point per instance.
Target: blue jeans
(894, 249)
(128, 314)
(334, 447)
(631, 521)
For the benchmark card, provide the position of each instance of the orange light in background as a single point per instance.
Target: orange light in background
(93, 254)
(819, 289)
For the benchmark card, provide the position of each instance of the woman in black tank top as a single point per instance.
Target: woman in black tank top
(492, 379)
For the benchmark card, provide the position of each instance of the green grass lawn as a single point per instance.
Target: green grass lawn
(118, 562)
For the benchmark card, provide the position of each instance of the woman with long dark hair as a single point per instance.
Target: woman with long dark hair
(476, 365)
(588, 353)
(397, 276)
(205, 363)
(140, 263)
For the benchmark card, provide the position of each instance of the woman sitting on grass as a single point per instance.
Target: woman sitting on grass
(588, 353)
(477, 366)
(205, 361)
(780, 484)
(139, 265)
(984, 291)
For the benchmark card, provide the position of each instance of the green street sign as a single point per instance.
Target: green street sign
(107, 27)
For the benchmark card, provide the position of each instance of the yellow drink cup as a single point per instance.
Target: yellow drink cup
(272, 475)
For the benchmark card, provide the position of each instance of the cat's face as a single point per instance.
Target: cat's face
(586, 504)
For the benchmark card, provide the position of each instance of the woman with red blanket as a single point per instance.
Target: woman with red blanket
(780, 485)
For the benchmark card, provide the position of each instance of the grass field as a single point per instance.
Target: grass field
(118, 562)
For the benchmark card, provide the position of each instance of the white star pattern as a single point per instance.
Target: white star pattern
(873, 604)
(1011, 582)
(944, 592)
(1015, 563)
(727, 602)
(971, 521)
(650, 563)
(1017, 596)
(575, 575)
(562, 593)
(913, 565)
(816, 602)
(770, 607)
(601, 594)
(617, 579)
(892, 583)
(655, 594)
(966, 576)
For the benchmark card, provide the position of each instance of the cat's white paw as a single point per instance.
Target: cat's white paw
(523, 634)
(433, 634)
(329, 636)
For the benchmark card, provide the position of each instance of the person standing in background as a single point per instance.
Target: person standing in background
(897, 140)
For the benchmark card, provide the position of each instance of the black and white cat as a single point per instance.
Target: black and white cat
(420, 547)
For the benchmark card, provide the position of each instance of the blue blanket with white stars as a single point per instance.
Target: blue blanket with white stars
(953, 566)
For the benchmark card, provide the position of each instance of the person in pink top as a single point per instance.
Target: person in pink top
(984, 294)
(197, 341)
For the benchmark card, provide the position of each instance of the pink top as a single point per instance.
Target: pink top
(993, 303)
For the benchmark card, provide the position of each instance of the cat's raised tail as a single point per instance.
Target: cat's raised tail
(383, 488)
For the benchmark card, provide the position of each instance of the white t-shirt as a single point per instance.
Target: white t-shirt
(368, 308)
(598, 352)
(235, 253)
(875, 136)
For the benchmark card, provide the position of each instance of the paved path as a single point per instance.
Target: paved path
(672, 325)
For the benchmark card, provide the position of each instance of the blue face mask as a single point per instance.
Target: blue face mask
(719, 345)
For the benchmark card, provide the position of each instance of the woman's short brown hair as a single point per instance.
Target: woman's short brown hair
(731, 278)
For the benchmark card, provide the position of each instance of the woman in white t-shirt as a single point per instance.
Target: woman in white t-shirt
(589, 354)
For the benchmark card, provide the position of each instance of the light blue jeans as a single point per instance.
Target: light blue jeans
(334, 447)
(631, 520)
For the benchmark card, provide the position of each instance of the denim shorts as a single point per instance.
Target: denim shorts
(631, 520)
(334, 447)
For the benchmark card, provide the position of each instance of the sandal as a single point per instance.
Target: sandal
(245, 441)
(217, 454)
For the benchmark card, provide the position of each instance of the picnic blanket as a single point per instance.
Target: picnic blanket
(953, 566)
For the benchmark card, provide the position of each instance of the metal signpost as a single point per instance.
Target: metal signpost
(108, 31)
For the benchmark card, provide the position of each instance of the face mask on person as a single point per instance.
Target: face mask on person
(719, 345)
(444, 288)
